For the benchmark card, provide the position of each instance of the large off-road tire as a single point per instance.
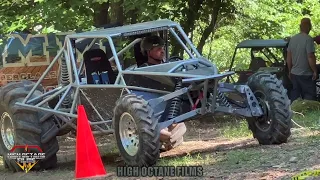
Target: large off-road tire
(274, 126)
(136, 131)
(21, 126)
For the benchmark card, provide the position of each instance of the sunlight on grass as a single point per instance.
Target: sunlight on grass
(1, 162)
(308, 119)
(313, 137)
(236, 130)
(189, 160)
(306, 113)
(231, 158)
(305, 106)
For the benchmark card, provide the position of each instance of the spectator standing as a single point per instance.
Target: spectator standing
(301, 62)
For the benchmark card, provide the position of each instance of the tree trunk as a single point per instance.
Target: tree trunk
(101, 15)
(210, 28)
(133, 16)
(191, 16)
(117, 13)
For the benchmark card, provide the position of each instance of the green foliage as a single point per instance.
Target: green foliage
(51, 15)
(215, 26)
(260, 19)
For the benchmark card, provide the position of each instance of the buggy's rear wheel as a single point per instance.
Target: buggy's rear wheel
(7, 130)
(21, 126)
(136, 131)
(274, 126)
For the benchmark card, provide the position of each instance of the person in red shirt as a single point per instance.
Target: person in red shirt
(317, 39)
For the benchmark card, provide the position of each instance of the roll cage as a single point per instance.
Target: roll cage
(262, 46)
(75, 87)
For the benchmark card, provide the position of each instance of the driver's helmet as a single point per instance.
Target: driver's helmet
(150, 42)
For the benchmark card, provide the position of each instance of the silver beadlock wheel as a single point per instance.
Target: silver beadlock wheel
(7, 130)
(129, 134)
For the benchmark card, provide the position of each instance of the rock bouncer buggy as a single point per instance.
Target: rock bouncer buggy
(268, 55)
(135, 103)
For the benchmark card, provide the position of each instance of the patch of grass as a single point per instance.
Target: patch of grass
(114, 150)
(231, 159)
(240, 158)
(236, 129)
(305, 106)
(306, 113)
(189, 160)
(308, 119)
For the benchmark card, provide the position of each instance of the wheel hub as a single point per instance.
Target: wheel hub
(7, 131)
(264, 122)
(129, 134)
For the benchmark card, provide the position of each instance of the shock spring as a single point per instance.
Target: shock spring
(174, 109)
(65, 81)
(222, 99)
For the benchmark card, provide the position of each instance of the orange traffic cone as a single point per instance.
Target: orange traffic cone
(88, 160)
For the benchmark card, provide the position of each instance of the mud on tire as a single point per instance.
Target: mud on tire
(136, 129)
(28, 127)
(274, 127)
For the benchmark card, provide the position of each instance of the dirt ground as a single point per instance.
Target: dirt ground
(221, 158)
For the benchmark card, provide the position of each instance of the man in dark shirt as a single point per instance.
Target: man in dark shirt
(302, 63)
(153, 48)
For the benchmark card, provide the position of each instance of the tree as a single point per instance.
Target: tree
(215, 26)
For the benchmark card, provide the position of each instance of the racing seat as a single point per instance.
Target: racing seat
(140, 58)
(95, 60)
(254, 66)
(256, 63)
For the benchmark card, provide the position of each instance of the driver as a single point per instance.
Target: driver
(153, 48)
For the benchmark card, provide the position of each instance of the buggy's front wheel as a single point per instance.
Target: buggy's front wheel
(136, 131)
(274, 126)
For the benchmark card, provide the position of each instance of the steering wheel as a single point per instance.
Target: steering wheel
(173, 59)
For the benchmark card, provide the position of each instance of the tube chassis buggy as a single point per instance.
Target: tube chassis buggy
(140, 101)
(273, 60)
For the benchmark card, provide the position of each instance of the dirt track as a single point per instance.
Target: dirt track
(221, 158)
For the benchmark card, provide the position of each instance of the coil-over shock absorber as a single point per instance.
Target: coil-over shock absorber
(222, 99)
(174, 109)
(64, 80)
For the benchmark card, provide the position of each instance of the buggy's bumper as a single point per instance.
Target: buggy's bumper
(208, 101)
(216, 77)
